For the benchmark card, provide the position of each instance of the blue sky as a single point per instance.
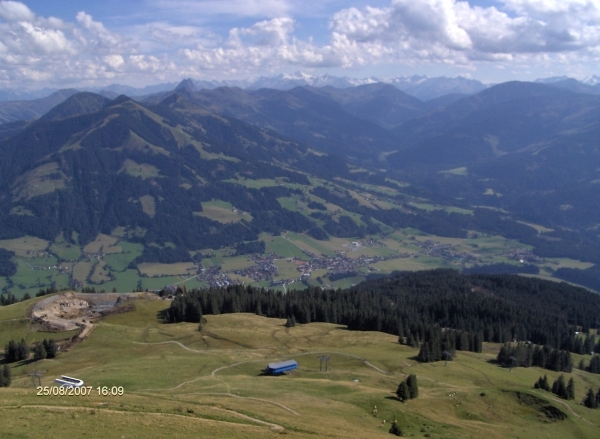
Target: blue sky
(75, 43)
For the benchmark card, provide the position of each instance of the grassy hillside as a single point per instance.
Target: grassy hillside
(180, 382)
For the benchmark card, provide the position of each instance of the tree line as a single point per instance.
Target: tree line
(491, 308)
(528, 355)
(559, 387)
(20, 351)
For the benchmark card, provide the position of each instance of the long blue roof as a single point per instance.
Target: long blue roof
(282, 364)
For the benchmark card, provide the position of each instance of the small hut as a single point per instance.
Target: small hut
(282, 367)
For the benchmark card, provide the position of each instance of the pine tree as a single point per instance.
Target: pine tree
(5, 377)
(413, 388)
(570, 393)
(403, 392)
(559, 388)
(395, 429)
(50, 346)
(10, 352)
(39, 352)
(594, 366)
(545, 384)
(590, 399)
(22, 350)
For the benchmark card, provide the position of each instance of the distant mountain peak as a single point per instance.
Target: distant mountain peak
(187, 85)
(591, 80)
(552, 79)
(76, 105)
(119, 100)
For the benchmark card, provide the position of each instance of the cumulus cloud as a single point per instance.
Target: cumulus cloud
(409, 32)
(404, 32)
(455, 31)
(15, 11)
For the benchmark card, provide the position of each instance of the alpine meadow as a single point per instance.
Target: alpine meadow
(378, 245)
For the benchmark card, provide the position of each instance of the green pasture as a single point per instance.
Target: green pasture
(557, 263)
(148, 205)
(253, 183)
(100, 274)
(81, 271)
(129, 251)
(39, 181)
(101, 244)
(285, 249)
(30, 280)
(347, 282)
(24, 246)
(66, 251)
(143, 170)
(180, 382)
(537, 227)
(287, 270)
(156, 269)
(125, 281)
(292, 204)
(309, 244)
(222, 211)
(236, 263)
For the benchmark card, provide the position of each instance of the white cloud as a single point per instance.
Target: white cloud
(115, 61)
(403, 32)
(15, 11)
(455, 32)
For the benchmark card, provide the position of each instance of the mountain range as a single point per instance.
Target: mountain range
(511, 154)
(422, 87)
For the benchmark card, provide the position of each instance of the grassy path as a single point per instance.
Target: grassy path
(123, 412)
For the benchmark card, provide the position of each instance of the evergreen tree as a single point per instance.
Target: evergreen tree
(403, 391)
(5, 377)
(291, 322)
(50, 346)
(559, 388)
(395, 429)
(39, 352)
(542, 383)
(581, 364)
(10, 352)
(545, 384)
(413, 388)
(570, 393)
(590, 399)
(594, 366)
(22, 350)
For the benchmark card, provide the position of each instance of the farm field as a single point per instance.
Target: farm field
(180, 382)
(111, 261)
(223, 212)
(40, 264)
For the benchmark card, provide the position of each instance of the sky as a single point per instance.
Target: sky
(72, 43)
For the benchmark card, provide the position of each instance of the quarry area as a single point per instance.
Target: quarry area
(71, 310)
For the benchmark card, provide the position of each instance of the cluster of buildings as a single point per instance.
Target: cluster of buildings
(214, 277)
(448, 252)
(336, 265)
(264, 268)
(524, 255)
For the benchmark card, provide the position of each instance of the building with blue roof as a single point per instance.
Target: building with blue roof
(281, 367)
